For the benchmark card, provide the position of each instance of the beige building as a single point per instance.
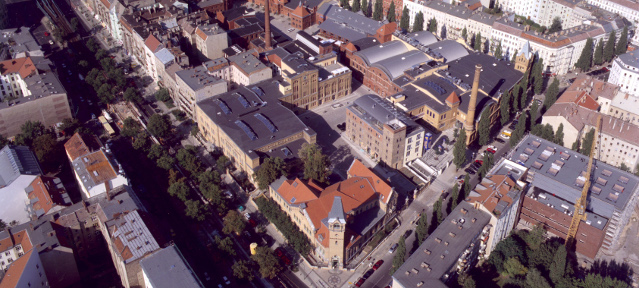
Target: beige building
(340, 219)
(194, 85)
(246, 69)
(210, 40)
(249, 124)
(373, 123)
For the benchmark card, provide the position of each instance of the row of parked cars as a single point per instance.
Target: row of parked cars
(370, 272)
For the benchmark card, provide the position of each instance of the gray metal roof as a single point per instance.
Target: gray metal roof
(283, 119)
(558, 171)
(383, 51)
(423, 37)
(16, 161)
(341, 30)
(247, 62)
(354, 21)
(629, 59)
(396, 65)
(168, 268)
(495, 76)
(449, 49)
(375, 110)
(197, 77)
(443, 248)
(165, 56)
(337, 211)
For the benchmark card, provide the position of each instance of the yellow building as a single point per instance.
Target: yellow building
(249, 124)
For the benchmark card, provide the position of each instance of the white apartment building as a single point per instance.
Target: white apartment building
(625, 72)
(626, 8)
(14, 71)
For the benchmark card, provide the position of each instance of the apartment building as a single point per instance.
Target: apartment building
(25, 272)
(625, 72)
(458, 239)
(556, 179)
(196, 84)
(626, 8)
(211, 40)
(500, 194)
(340, 219)
(387, 135)
(249, 124)
(246, 69)
(94, 166)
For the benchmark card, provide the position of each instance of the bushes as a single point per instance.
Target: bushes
(291, 232)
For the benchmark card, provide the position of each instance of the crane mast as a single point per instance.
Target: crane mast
(580, 205)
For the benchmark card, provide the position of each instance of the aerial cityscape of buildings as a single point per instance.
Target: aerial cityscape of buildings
(295, 143)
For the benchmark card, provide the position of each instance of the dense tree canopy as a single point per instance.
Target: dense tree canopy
(315, 162)
(159, 125)
(269, 264)
(270, 170)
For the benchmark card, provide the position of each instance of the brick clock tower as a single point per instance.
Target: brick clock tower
(336, 228)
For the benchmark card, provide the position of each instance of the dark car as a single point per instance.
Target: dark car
(368, 274)
(378, 264)
(360, 282)
(499, 140)
(252, 223)
(475, 165)
(470, 171)
(282, 255)
(407, 233)
(480, 162)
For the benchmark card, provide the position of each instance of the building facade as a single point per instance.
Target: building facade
(625, 72)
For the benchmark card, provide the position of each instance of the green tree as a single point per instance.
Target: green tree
(222, 163)
(315, 162)
(466, 186)
(437, 211)
(467, 281)
(598, 58)
(162, 95)
(242, 268)
(92, 45)
(233, 223)
(46, 149)
(609, 49)
(159, 125)
(559, 135)
(513, 267)
(226, 245)
(551, 94)
(465, 34)
(504, 250)
(3, 224)
(400, 255)
(575, 145)
(534, 109)
(156, 151)
(587, 142)
(454, 198)
(538, 77)
(29, 131)
(195, 209)
(3, 142)
(69, 125)
(593, 280)
(558, 266)
(365, 8)
(484, 127)
(188, 160)
(520, 129)
(432, 26)
(179, 189)
(267, 261)
(141, 141)
(624, 167)
(517, 90)
(534, 279)
(132, 95)
(100, 53)
(555, 26)
(478, 42)
(211, 176)
(585, 59)
(514, 57)
(166, 162)
(504, 107)
(271, 169)
(356, 6)
(378, 10)
(344, 4)
(498, 52)
(195, 130)
(622, 45)
(391, 12)
(291, 232)
(418, 25)
(421, 230)
(459, 150)
(405, 21)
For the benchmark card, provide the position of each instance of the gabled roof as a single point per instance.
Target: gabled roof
(23, 66)
(580, 98)
(296, 191)
(78, 146)
(10, 240)
(14, 273)
(152, 43)
(358, 169)
(301, 12)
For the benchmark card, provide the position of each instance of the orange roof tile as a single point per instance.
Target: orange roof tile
(301, 12)
(14, 273)
(76, 147)
(580, 98)
(490, 196)
(152, 43)
(200, 33)
(299, 190)
(23, 66)
(99, 167)
(453, 98)
(20, 237)
(358, 169)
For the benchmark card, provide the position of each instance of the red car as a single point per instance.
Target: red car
(282, 255)
(360, 282)
(252, 223)
(491, 150)
(378, 264)
(46, 34)
(480, 162)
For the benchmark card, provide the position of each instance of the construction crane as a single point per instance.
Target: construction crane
(580, 205)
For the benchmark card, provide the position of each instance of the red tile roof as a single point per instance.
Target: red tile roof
(358, 169)
(301, 12)
(152, 42)
(580, 98)
(453, 98)
(44, 189)
(14, 273)
(23, 66)
(490, 195)
(299, 190)
(77, 146)
(20, 237)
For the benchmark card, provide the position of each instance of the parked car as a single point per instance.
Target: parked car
(481, 162)
(491, 150)
(506, 134)
(247, 216)
(378, 264)
(475, 165)
(368, 274)
(280, 253)
(499, 140)
(470, 171)
(226, 280)
(360, 282)
(207, 277)
(393, 248)
(252, 223)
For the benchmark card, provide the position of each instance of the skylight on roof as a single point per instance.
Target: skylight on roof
(223, 106)
(266, 122)
(249, 132)
(243, 101)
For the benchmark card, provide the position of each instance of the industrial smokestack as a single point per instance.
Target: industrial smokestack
(472, 105)
(267, 24)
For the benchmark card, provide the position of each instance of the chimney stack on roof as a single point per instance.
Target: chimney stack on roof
(267, 25)
(470, 116)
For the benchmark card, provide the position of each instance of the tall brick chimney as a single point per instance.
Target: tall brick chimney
(267, 25)
(472, 105)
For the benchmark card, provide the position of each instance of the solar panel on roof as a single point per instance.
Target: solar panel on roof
(266, 122)
(243, 101)
(223, 106)
(249, 132)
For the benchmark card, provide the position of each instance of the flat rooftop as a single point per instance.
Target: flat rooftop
(168, 268)
(496, 76)
(440, 251)
(560, 171)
